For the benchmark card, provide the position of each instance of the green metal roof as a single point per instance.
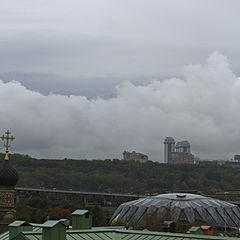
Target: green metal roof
(194, 228)
(110, 234)
(18, 223)
(51, 223)
(4, 236)
(80, 212)
(31, 235)
(36, 224)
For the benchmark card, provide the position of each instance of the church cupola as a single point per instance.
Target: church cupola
(8, 175)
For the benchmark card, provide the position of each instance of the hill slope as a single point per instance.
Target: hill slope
(122, 176)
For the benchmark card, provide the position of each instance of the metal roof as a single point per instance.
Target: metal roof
(194, 228)
(4, 236)
(169, 140)
(179, 207)
(17, 223)
(80, 212)
(122, 235)
(51, 223)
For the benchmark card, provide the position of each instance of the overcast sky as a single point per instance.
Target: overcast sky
(94, 78)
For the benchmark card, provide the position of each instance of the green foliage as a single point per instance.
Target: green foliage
(111, 176)
(38, 203)
(123, 176)
(32, 210)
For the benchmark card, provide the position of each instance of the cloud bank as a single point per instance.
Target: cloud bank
(127, 39)
(202, 107)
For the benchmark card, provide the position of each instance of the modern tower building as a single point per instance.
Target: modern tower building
(179, 153)
(169, 147)
(183, 146)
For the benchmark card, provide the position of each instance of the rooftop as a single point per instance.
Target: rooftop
(169, 140)
(115, 234)
(80, 212)
(183, 144)
(56, 230)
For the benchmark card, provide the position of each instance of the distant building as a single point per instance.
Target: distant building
(169, 147)
(179, 153)
(233, 164)
(227, 163)
(237, 157)
(183, 146)
(134, 156)
(182, 157)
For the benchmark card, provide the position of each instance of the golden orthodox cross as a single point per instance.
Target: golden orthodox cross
(7, 140)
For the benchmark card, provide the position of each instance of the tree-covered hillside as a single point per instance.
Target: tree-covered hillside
(123, 176)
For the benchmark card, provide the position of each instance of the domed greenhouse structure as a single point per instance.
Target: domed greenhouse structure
(183, 208)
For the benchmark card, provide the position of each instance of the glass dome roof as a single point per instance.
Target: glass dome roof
(182, 208)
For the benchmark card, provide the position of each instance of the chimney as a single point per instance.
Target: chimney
(54, 230)
(18, 226)
(82, 219)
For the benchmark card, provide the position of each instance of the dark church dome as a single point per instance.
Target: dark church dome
(8, 175)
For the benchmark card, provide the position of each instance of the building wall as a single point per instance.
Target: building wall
(134, 156)
(171, 150)
(182, 157)
(168, 149)
(7, 208)
(181, 148)
(237, 157)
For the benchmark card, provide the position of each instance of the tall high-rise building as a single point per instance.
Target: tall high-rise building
(169, 147)
(179, 153)
(183, 146)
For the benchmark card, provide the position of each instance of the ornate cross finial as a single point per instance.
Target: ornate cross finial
(7, 139)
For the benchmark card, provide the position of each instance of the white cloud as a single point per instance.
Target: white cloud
(202, 107)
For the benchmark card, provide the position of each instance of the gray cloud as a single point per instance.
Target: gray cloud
(103, 87)
(67, 57)
(104, 39)
(202, 107)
